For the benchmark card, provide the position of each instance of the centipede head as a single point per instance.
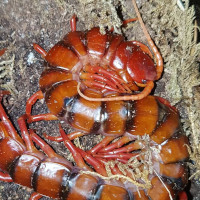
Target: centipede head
(138, 63)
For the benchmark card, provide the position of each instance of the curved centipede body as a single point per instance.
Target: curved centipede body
(109, 69)
(105, 62)
(52, 175)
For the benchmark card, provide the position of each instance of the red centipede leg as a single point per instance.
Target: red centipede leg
(91, 76)
(35, 196)
(45, 117)
(71, 136)
(40, 50)
(97, 165)
(48, 150)
(73, 23)
(128, 148)
(7, 123)
(123, 140)
(91, 160)
(147, 90)
(143, 47)
(122, 160)
(166, 102)
(2, 51)
(182, 195)
(30, 102)
(112, 75)
(125, 22)
(5, 177)
(43, 145)
(75, 153)
(103, 160)
(115, 170)
(53, 138)
(125, 156)
(159, 60)
(25, 134)
(91, 83)
(101, 145)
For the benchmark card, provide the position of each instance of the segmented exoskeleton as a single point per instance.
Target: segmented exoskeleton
(54, 176)
(108, 68)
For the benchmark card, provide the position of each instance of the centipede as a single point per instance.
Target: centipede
(100, 84)
(87, 68)
(52, 175)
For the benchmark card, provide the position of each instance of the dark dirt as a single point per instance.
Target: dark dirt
(44, 22)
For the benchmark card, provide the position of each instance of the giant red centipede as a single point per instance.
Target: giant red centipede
(54, 176)
(108, 67)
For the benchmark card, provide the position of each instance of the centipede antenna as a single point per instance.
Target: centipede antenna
(144, 93)
(159, 60)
